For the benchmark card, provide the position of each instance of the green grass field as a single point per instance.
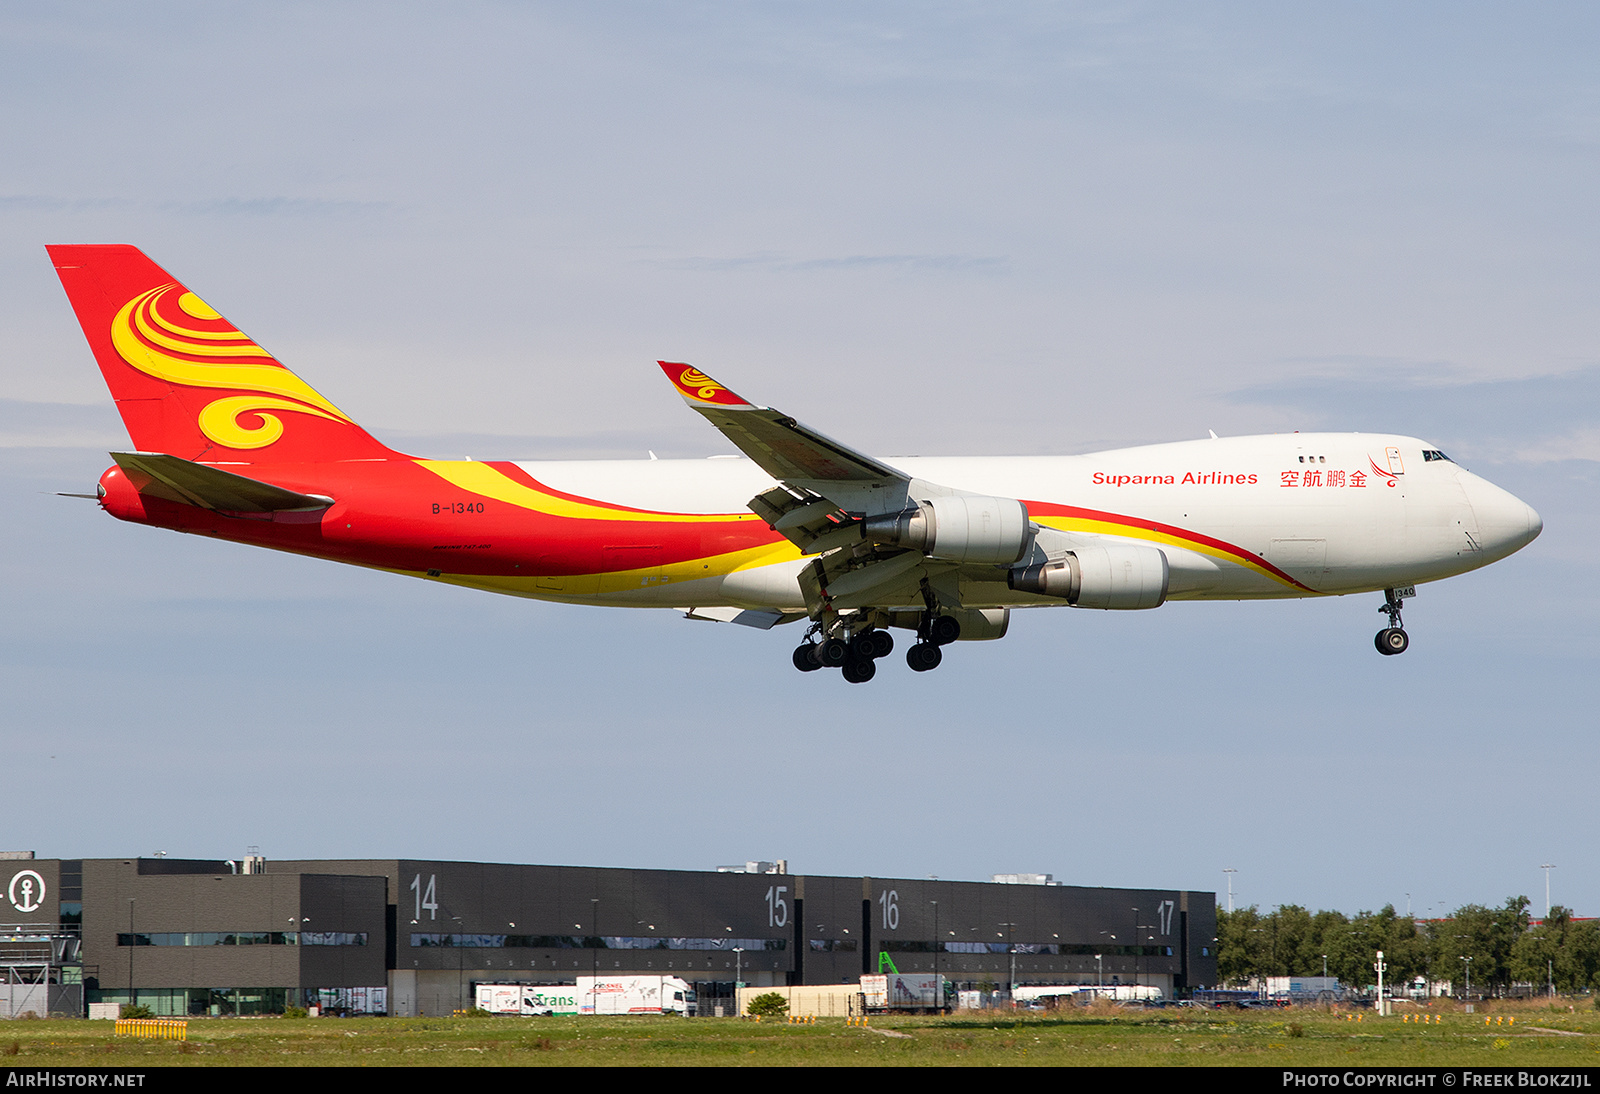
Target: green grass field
(1542, 1035)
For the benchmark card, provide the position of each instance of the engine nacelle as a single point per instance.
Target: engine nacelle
(1113, 576)
(963, 528)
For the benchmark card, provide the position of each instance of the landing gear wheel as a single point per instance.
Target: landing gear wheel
(924, 656)
(882, 644)
(858, 671)
(862, 646)
(944, 629)
(1391, 640)
(805, 658)
(833, 653)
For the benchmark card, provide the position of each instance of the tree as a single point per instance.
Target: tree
(1239, 945)
(1291, 941)
(1533, 956)
(768, 1005)
(1558, 948)
(1485, 935)
(1582, 954)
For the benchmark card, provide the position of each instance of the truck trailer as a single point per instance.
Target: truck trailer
(515, 998)
(635, 995)
(901, 991)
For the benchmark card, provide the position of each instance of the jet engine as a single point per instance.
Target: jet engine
(1114, 576)
(963, 528)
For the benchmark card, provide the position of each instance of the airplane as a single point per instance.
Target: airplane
(227, 442)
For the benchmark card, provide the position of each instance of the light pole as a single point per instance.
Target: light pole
(1138, 945)
(738, 976)
(417, 999)
(1379, 965)
(1260, 969)
(1230, 871)
(938, 988)
(1547, 867)
(594, 952)
(461, 962)
(133, 940)
(1136, 949)
(1113, 938)
(296, 922)
(1012, 950)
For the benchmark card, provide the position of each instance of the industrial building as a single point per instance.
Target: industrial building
(412, 937)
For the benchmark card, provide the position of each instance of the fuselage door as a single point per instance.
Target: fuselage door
(1396, 467)
(1305, 560)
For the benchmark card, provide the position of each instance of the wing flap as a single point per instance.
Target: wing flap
(812, 523)
(873, 578)
(761, 619)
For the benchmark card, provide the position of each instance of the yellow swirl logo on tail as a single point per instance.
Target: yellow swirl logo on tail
(180, 352)
(698, 383)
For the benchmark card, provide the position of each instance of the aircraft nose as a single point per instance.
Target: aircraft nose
(1507, 523)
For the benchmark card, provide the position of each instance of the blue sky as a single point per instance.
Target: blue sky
(922, 228)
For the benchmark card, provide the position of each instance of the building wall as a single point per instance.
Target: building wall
(142, 897)
(905, 917)
(434, 928)
(654, 921)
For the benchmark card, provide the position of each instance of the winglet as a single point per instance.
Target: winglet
(700, 390)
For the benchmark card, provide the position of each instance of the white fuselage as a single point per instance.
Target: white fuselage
(1286, 515)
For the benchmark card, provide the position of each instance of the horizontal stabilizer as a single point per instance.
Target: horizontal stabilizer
(190, 483)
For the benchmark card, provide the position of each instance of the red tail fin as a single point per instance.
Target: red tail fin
(189, 383)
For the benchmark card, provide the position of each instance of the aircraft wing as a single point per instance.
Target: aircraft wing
(882, 536)
(814, 467)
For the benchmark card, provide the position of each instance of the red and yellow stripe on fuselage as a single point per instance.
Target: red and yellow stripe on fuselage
(487, 525)
(1070, 518)
(493, 526)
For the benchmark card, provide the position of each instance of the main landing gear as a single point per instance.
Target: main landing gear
(1392, 639)
(936, 631)
(856, 656)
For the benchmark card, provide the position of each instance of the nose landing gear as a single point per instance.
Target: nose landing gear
(1393, 639)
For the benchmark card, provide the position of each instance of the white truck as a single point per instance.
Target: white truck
(635, 995)
(528, 998)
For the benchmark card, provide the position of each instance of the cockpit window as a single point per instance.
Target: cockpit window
(1431, 454)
